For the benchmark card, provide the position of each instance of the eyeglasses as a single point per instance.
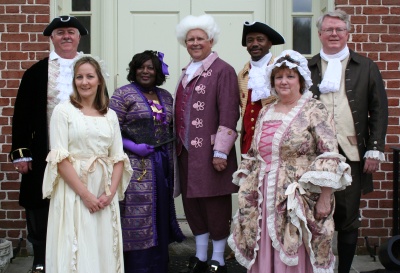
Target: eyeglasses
(287, 58)
(339, 31)
(199, 40)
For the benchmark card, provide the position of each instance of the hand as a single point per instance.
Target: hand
(139, 149)
(219, 163)
(23, 167)
(323, 206)
(106, 200)
(371, 165)
(91, 202)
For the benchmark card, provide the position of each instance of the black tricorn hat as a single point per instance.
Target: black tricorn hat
(273, 36)
(65, 21)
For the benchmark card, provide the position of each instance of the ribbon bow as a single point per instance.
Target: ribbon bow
(291, 193)
(164, 66)
(158, 116)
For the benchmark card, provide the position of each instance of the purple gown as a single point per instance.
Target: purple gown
(148, 216)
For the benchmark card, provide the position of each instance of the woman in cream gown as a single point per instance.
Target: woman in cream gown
(87, 173)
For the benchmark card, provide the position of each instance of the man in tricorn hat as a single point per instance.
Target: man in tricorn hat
(42, 87)
(258, 38)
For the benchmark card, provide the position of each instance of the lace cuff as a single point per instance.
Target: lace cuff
(327, 170)
(375, 155)
(51, 175)
(126, 174)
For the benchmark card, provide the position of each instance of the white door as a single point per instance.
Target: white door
(151, 25)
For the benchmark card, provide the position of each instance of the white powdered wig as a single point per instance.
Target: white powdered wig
(204, 22)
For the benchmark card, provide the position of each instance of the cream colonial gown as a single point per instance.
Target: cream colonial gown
(78, 241)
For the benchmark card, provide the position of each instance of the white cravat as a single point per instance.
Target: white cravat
(333, 73)
(257, 79)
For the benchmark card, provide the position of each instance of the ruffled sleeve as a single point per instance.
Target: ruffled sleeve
(327, 170)
(116, 153)
(59, 148)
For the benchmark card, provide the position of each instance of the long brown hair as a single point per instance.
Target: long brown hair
(101, 100)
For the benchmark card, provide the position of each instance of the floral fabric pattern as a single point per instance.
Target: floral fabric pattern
(305, 154)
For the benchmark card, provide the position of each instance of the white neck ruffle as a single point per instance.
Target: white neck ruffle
(257, 78)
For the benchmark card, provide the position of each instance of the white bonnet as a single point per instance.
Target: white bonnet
(204, 22)
(302, 68)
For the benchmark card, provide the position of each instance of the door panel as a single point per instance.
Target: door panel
(150, 25)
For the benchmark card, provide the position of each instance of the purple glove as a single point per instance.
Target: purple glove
(139, 149)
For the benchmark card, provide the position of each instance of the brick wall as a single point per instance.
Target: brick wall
(376, 34)
(376, 28)
(21, 45)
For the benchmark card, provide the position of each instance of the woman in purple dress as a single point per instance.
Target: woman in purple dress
(148, 216)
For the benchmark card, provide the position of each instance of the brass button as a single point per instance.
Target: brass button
(229, 132)
(252, 111)
(219, 130)
(252, 128)
(252, 119)
(252, 103)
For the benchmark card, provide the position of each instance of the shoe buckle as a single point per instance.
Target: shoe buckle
(213, 268)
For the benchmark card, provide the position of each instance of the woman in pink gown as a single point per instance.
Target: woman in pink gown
(284, 223)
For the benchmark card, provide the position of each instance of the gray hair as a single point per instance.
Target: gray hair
(340, 14)
(204, 22)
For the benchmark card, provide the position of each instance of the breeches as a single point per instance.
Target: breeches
(347, 214)
(205, 214)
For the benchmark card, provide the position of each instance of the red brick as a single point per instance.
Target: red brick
(12, 74)
(4, 102)
(374, 19)
(10, 205)
(13, 214)
(5, 37)
(375, 10)
(374, 2)
(12, 9)
(376, 223)
(27, 64)
(14, 55)
(391, 56)
(393, 84)
(341, 2)
(35, 46)
(359, 38)
(374, 47)
(33, 27)
(12, 1)
(43, 2)
(13, 28)
(355, 19)
(13, 47)
(375, 232)
(13, 223)
(375, 29)
(386, 204)
(373, 204)
(374, 38)
(6, 130)
(13, 65)
(390, 74)
(375, 195)
(357, 2)
(8, 93)
(390, 20)
(394, 47)
(10, 185)
(35, 9)
(390, 2)
(12, 18)
(13, 83)
(395, 10)
(12, 176)
(43, 19)
(387, 38)
(392, 139)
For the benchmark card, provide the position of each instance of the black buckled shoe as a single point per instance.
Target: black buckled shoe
(194, 265)
(216, 268)
(39, 268)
